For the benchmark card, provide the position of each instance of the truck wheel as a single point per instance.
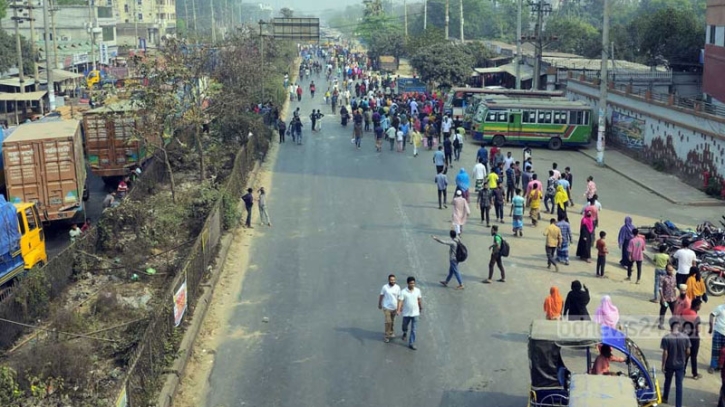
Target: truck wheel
(554, 143)
(498, 140)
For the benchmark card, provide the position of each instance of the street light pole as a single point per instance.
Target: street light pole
(34, 48)
(425, 15)
(19, 50)
(447, 2)
(603, 84)
(462, 39)
(261, 49)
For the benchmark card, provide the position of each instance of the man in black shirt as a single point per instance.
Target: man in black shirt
(248, 204)
(675, 351)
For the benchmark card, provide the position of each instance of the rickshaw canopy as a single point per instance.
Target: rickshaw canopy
(601, 391)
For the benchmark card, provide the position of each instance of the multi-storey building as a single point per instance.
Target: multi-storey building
(713, 84)
(144, 22)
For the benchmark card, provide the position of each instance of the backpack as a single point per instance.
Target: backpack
(461, 252)
(505, 248)
(456, 142)
(551, 188)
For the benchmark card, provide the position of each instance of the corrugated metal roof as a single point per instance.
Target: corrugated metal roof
(47, 130)
(18, 97)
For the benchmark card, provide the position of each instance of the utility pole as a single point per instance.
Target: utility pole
(34, 48)
(462, 21)
(603, 83)
(53, 9)
(261, 49)
(540, 8)
(92, 30)
(186, 16)
(518, 47)
(213, 32)
(19, 50)
(447, 1)
(193, 11)
(405, 12)
(48, 68)
(425, 15)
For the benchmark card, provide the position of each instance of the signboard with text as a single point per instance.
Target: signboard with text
(302, 29)
(179, 304)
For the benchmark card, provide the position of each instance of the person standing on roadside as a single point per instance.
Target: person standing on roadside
(553, 241)
(410, 305)
(442, 183)
(562, 253)
(686, 258)
(667, 294)
(675, 351)
(388, 302)
(602, 252)
(482, 156)
(496, 258)
(625, 235)
(553, 304)
(281, 129)
(636, 249)
(479, 174)
(453, 260)
(691, 327)
(461, 211)
(575, 306)
(262, 202)
(498, 201)
(248, 204)
(484, 202)
(661, 260)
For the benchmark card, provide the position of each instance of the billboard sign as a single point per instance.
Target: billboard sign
(303, 29)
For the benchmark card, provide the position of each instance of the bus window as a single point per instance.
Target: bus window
(559, 117)
(529, 116)
(21, 223)
(32, 223)
(502, 117)
(575, 117)
(491, 117)
(544, 117)
(586, 118)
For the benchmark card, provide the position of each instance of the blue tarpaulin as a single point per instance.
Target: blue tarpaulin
(9, 234)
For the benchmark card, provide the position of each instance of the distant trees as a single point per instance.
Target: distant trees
(445, 64)
(286, 12)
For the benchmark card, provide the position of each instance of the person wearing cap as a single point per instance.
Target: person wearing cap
(682, 302)
(460, 212)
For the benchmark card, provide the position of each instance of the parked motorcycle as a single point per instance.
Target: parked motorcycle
(714, 277)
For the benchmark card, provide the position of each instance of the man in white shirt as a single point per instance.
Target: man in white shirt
(507, 162)
(446, 126)
(388, 302)
(685, 259)
(557, 173)
(479, 174)
(410, 307)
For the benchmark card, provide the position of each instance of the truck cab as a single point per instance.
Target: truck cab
(26, 249)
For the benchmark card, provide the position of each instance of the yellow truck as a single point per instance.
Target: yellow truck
(22, 246)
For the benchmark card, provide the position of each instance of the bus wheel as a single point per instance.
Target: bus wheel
(555, 143)
(498, 140)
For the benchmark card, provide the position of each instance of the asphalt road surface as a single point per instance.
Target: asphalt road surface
(343, 220)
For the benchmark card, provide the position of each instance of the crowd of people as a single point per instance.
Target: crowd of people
(499, 180)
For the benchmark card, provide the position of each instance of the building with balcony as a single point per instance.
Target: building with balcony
(144, 23)
(713, 85)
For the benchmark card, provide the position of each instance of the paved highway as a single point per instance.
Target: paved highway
(343, 220)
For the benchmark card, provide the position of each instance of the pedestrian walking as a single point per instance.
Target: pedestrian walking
(262, 202)
(479, 174)
(439, 159)
(248, 204)
(675, 350)
(517, 213)
(484, 202)
(482, 156)
(717, 330)
(357, 130)
(391, 134)
(378, 130)
(299, 93)
(410, 306)
(553, 241)
(721, 367)
(553, 304)
(499, 197)
(602, 252)
(496, 256)
(463, 183)
(74, 232)
(388, 302)
(441, 181)
(448, 151)
(625, 235)
(453, 260)
(586, 233)
(667, 294)
(319, 117)
(575, 306)
(682, 302)
(551, 185)
(457, 145)
(636, 249)
(606, 313)
(691, 327)
(281, 129)
(313, 119)
(562, 253)
(591, 189)
(534, 204)
(661, 260)
(561, 200)
(461, 211)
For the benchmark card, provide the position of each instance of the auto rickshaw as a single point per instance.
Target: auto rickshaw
(589, 390)
(551, 379)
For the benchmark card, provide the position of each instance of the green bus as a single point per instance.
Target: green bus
(552, 122)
